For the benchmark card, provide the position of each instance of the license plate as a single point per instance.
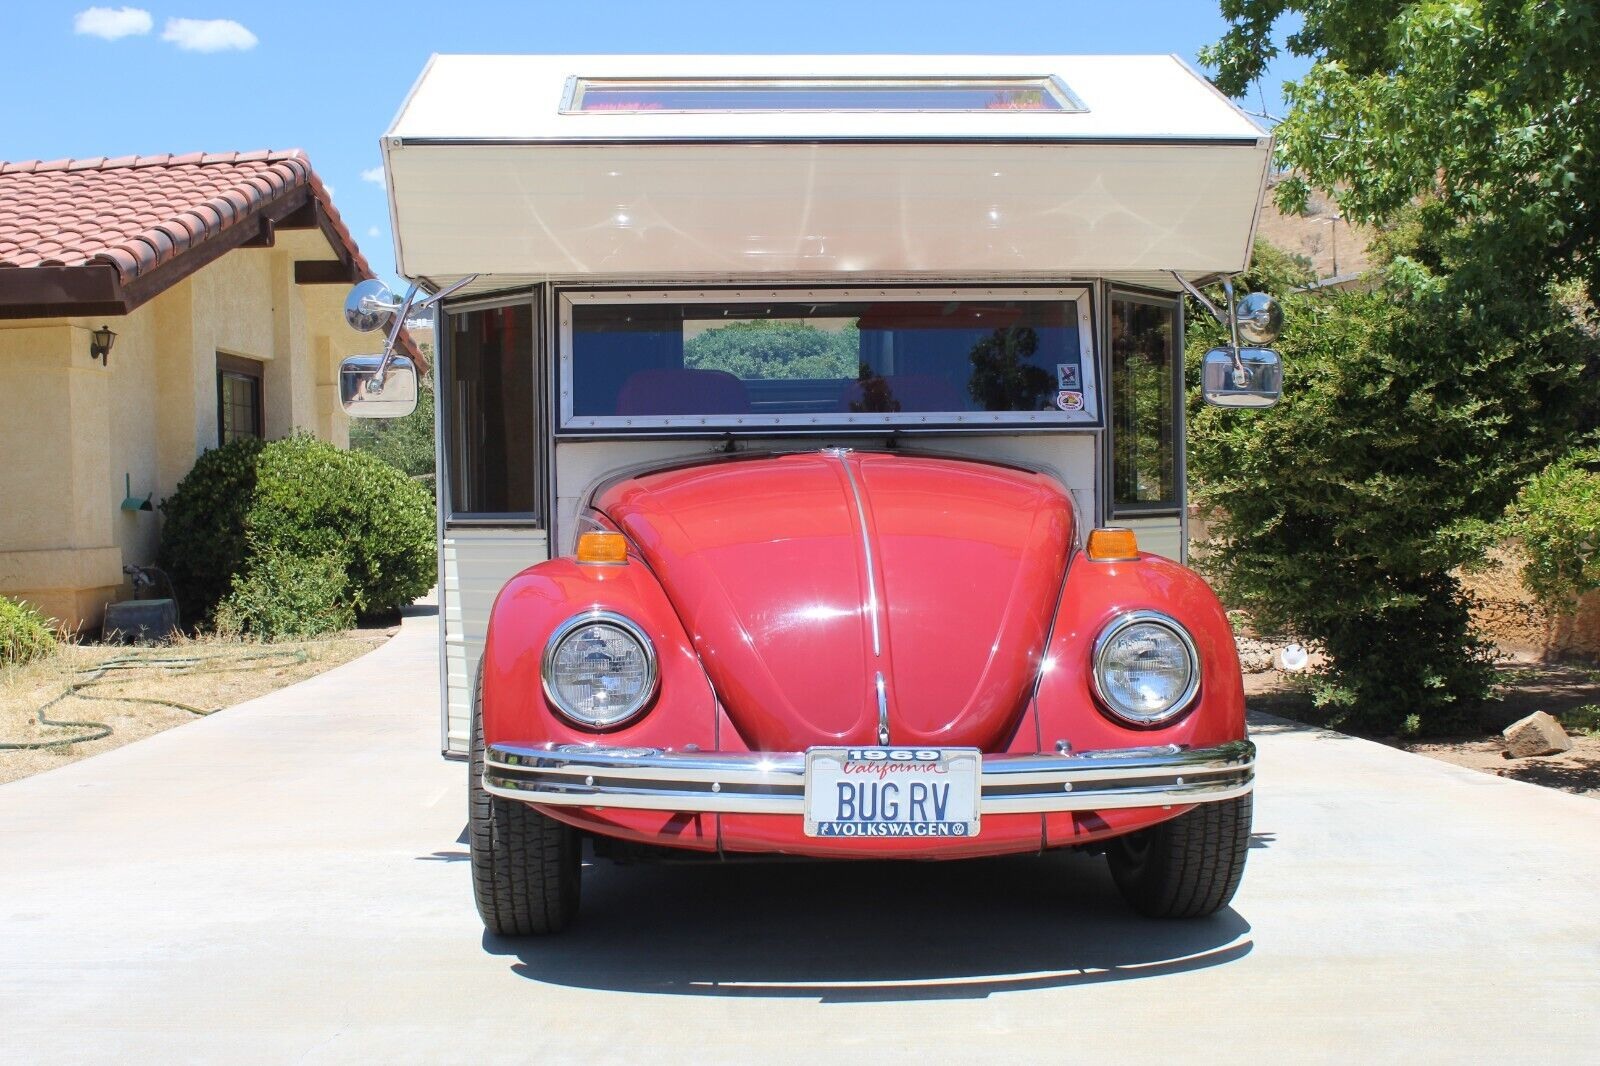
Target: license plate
(892, 792)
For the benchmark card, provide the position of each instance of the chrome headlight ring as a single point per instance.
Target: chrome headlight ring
(572, 628)
(1121, 712)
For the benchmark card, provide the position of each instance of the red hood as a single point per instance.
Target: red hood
(775, 564)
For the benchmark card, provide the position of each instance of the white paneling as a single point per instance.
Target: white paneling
(1163, 536)
(823, 208)
(518, 97)
(477, 564)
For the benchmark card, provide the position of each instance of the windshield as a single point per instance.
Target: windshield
(734, 363)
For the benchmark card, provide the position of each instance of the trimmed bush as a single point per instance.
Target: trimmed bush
(283, 596)
(25, 634)
(299, 497)
(1557, 518)
(203, 527)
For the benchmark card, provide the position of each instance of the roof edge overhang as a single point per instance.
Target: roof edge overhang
(101, 289)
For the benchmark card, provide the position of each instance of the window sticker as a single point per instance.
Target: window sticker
(1066, 375)
(1069, 401)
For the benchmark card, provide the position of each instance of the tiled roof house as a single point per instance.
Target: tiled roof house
(222, 277)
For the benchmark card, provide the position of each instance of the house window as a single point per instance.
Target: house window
(491, 414)
(239, 398)
(1144, 399)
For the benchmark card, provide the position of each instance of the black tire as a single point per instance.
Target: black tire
(526, 868)
(1188, 866)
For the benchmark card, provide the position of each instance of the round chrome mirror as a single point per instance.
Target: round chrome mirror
(1260, 318)
(370, 306)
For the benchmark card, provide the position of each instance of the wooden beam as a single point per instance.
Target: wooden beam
(59, 292)
(325, 272)
(266, 238)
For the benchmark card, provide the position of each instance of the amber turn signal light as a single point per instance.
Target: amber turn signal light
(602, 547)
(1113, 546)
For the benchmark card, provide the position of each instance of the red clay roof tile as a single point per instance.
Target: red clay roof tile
(135, 212)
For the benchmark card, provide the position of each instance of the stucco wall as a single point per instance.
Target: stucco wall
(72, 430)
(1509, 615)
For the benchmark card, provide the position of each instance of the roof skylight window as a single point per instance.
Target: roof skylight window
(712, 95)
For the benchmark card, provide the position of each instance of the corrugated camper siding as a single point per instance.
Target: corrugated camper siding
(477, 564)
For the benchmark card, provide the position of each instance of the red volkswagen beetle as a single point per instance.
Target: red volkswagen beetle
(855, 654)
(832, 400)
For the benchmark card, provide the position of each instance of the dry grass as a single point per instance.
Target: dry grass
(217, 674)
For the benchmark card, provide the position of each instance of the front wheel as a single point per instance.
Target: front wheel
(526, 867)
(1188, 866)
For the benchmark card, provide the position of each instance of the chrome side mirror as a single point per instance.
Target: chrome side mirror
(1254, 380)
(375, 386)
(371, 306)
(1260, 319)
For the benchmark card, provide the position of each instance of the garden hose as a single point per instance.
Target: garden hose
(107, 673)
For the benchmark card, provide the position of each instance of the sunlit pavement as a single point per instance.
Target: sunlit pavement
(287, 881)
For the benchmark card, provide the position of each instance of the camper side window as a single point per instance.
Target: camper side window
(1144, 398)
(488, 393)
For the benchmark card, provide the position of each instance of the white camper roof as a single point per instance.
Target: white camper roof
(529, 167)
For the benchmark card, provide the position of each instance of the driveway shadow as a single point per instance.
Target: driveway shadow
(865, 932)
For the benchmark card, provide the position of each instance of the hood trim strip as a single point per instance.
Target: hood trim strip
(843, 455)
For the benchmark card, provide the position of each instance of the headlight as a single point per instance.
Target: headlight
(599, 669)
(1146, 671)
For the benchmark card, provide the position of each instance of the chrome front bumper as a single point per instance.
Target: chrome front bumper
(582, 775)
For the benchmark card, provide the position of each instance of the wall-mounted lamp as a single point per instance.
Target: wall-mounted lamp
(100, 342)
(130, 502)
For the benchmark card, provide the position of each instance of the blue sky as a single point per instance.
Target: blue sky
(217, 75)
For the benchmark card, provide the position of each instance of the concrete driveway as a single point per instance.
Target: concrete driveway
(287, 881)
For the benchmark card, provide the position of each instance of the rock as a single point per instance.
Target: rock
(1255, 656)
(1537, 734)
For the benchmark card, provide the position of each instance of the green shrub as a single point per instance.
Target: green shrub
(404, 443)
(25, 634)
(304, 498)
(283, 596)
(1556, 517)
(203, 526)
(1342, 515)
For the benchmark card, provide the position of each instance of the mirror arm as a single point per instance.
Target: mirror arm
(448, 291)
(375, 384)
(1241, 376)
(1200, 297)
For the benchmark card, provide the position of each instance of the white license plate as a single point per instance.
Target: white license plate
(892, 792)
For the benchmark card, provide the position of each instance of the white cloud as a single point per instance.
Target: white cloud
(208, 35)
(327, 188)
(374, 231)
(111, 23)
(373, 174)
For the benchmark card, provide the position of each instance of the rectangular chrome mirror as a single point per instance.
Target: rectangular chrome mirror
(1261, 385)
(395, 397)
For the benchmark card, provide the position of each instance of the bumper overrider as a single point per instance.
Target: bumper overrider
(583, 775)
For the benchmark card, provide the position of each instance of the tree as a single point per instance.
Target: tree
(771, 350)
(1466, 133)
(1488, 109)
(404, 443)
(1344, 514)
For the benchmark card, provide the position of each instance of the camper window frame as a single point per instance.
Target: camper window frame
(569, 426)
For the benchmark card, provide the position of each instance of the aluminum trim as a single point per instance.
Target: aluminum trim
(773, 783)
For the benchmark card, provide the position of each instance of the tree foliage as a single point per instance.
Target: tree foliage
(1488, 108)
(1343, 514)
(1465, 131)
(770, 350)
(404, 443)
(1557, 520)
